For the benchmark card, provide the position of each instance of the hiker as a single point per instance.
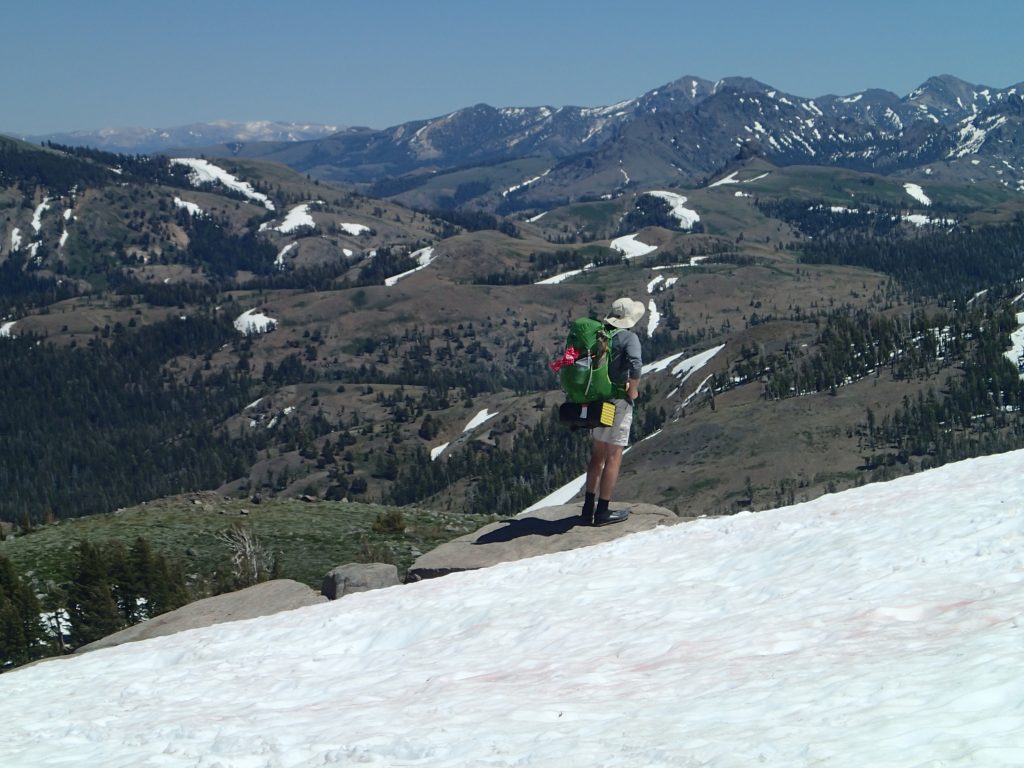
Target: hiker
(606, 454)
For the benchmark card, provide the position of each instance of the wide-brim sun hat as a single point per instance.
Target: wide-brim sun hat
(625, 313)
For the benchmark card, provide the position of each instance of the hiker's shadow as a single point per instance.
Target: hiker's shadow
(528, 526)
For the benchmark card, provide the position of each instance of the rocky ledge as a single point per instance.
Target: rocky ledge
(547, 530)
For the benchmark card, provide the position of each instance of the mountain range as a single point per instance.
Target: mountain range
(371, 313)
(678, 134)
(831, 289)
(141, 140)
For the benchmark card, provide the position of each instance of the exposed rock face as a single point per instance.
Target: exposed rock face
(552, 529)
(358, 577)
(259, 600)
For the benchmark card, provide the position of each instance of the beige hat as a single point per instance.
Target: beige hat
(625, 313)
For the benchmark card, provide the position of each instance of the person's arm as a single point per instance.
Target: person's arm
(632, 389)
(636, 364)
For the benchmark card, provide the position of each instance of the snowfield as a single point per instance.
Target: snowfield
(876, 627)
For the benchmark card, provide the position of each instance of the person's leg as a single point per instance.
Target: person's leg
(595, 468)
(617, 439)
(610, 475)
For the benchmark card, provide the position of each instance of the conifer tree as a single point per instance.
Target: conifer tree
(92, 609)
(21, 632)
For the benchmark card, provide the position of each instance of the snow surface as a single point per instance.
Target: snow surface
(15, 239)
(7, 328)
(916, 192)
(876, 627)
(630, 247)
(353, 229)
(653, 317)
(436, 451)
(730, 179)
(298, 216)
(37, 215)
(205, 172)
(920, 220)
(192, 208)
(686, 217)
(661, 283)
(563, 276)
(479, 419)
(524, 184)
(279, 261)
(423, 257)
(1014, 354)
(252, 321)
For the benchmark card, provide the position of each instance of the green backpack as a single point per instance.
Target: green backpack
(585, 380)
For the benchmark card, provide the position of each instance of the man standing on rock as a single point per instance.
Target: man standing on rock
(624, 365)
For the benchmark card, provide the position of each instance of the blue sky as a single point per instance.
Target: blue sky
(114, 63)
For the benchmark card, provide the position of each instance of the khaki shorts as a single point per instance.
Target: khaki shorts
(618, 432)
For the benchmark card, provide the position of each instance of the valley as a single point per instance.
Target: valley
(236, 331)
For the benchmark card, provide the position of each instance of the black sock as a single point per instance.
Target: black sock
(588, 504)
(602, 506)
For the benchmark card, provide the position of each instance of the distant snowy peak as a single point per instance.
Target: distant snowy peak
(146, 140)
(951, 99)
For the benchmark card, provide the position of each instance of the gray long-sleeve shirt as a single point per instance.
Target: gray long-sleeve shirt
(625, 362)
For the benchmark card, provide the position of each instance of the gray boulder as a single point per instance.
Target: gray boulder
(552, 529)
(259, 600)
(358, 577)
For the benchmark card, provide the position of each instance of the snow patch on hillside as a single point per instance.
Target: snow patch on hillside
(253, 321)
(479, 419)
(7, 328)
(204, 172)
(299, 216)
(915, 191)
(37, 215)
(630, 247)
(354, 229)
(1015, 354)
(563, 276)
(279, 261)
(423, 257)
(686, 217)
(192, 208)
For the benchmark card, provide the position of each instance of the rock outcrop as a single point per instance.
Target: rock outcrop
(551, 529)
(259, 600)
(358, 577)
